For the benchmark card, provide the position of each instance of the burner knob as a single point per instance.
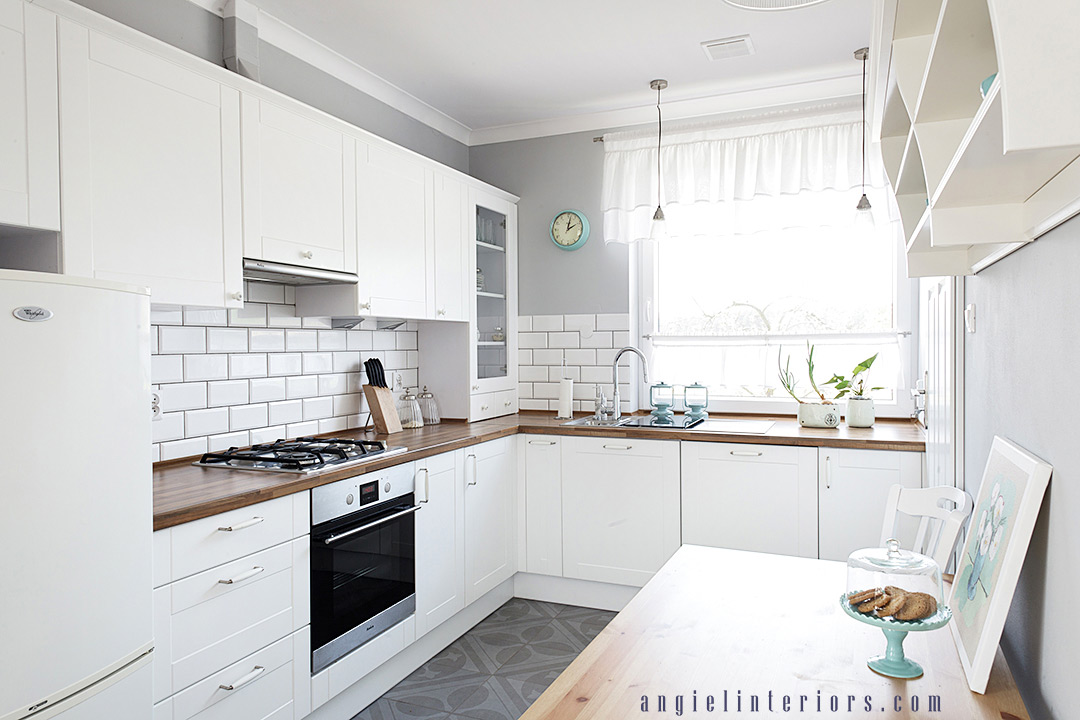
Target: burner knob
(349, 499)
(386, 488)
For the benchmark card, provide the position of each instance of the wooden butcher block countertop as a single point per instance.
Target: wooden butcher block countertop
(183, 492)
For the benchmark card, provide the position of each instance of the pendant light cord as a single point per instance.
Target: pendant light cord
(864, 125)
(659, 134)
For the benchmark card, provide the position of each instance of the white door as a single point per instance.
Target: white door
(299, 189)
(151, 172)
(942, 337)
(620, 508)
(392, 226)
(543, 504)
(853, 486)
(489, 474)
(440, 540)
(29, 149)
(451, 268)
(761, 498)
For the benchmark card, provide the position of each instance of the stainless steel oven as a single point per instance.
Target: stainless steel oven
(363, 561)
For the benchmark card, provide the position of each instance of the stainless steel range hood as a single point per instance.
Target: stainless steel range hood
(267, 271)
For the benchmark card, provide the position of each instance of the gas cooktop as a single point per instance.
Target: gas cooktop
(302, 456)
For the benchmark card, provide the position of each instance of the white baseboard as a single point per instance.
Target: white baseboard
(568, 591)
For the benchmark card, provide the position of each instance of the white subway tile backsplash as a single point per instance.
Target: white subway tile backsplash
(217, 443)
(183, 448)
(412, 359)
(290, 295)
(286, 411)
(547, 357)
(302, 429)
(525, 390)
(247, 366)
(226, 340)
(169, 427)
(525, 357)
(266, 340)
(579, 323)
(205, 317)
(525, 323)
(598, 339)
(154, 341)
(268, 434)
(334, 424)
(166, 314)
(286, 364)
(383, 340)
(206, 367)
(267, 389)
(319, 323)
(564, 339)
(182, 396)
(261, 292)
(346, 362)
(555, 374)
(396, 359)
(620, 339)
(301, 387)
(227, 392)
(166, 369)
(529, 404)
(601, 374)
(318, 362)
(207, 422)
(347, 404)
(617, 321)
(282, 316)
(581, 357)
(180, 340)
(301, 340)
(330, 340)
(533, 373)
(251, 315)
(547, 323)
(244, 417)
(410, 378)
(318, 408)
(359, 340)
(405, 340)
(532, 340)
(333, 384)
(548, 390)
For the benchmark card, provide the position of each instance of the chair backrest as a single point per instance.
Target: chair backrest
(942, 512)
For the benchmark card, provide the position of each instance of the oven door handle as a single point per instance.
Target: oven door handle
(336, 538)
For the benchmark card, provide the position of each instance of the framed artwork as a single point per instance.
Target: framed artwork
(1012, 489)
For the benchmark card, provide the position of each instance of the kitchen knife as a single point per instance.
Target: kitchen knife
(381, 372)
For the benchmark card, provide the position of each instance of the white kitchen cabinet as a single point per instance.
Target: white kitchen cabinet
(489, 481)
(493, 360)
(620, 508)
(393, 226)
(440, 540)
(451, 270)
(853, 486)
(29, 145)
(543, 504)
(761, 498)
(299, 188)
(151, 171)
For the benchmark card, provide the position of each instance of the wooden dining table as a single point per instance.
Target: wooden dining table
(729, 633)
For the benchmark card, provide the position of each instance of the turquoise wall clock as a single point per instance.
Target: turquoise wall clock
(569, 230)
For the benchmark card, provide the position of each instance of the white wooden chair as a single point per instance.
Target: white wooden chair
(942, 512)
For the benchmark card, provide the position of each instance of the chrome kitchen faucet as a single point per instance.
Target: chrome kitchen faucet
(614, 411)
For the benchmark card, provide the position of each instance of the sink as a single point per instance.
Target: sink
(590, 421)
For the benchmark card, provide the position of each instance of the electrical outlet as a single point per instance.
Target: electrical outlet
(155, 406)
(397, 382)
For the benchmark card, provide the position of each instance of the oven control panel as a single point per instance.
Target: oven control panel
(347, 496)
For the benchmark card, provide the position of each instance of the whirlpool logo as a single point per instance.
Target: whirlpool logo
(32, 313)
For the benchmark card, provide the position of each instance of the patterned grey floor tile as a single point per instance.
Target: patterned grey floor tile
(500, 698)
(556, 640)
(533, 666)
(519, 610)
(445, 680)
(443, 696)
(384, 709)
(581, 628)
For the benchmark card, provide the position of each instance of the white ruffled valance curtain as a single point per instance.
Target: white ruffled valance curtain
(723, 180)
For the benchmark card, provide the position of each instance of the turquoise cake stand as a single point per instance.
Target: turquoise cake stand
(893, 663)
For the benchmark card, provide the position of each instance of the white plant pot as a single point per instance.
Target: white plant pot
(860, 412)
(817, 415)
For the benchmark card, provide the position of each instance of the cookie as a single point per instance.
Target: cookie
(896, 602)
(863, 596)
(918, 605)
(873, 603)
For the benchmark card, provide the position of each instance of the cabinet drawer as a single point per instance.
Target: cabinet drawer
(484, 406)
(304, 255)
(506, 402)
(205, 543)
(212, 619)
(618, 447)
(745, 453)
(266, 696)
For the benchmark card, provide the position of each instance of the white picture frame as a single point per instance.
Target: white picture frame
(1013, 484)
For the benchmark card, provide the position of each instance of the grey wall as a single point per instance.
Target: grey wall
(552, 174)
(199, 32)
(1019, 367)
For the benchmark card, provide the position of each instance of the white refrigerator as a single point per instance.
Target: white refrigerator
(76, 509)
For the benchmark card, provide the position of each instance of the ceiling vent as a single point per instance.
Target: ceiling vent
(738, 46)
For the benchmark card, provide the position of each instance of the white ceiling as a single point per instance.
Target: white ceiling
(496, 65)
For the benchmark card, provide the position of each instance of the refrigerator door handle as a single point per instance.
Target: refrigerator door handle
(241, 526)
(256, 672)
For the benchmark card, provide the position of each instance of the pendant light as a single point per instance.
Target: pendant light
(772, 4)
(659, 222)
(864, 215)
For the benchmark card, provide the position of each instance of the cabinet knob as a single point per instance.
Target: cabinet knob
(483, 407)
(508, 403)
(365, 306)
(307, 254)
(237, 295)
(440, 312)
(475, 387)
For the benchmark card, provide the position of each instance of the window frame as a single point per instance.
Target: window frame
(643, 288)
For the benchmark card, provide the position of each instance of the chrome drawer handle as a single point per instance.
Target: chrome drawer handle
(618, 447)
(427, 486)
(745, 453)
(259, 670)
(475, 468)
(241, 526)
(541, 442)
(242, 576)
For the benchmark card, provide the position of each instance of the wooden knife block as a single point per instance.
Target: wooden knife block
(383, 410)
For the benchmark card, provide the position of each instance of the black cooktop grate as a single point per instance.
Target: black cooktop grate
(305, 453)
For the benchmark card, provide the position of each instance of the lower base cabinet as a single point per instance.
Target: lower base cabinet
(489, 475)
(853, 486)
(761, 498)
(440, 540)
(620, 500)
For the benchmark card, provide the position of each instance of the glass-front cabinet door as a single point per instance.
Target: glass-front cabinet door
(494, 308)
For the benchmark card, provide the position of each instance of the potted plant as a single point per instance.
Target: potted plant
(860, 407)
(823, 414)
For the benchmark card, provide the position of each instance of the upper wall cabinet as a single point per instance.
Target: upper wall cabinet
(451, 261)
(978, 131)
(299, 189)
(151, 171)
(29, 153)
(394, 232)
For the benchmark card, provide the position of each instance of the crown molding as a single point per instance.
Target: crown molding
(759, 99)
